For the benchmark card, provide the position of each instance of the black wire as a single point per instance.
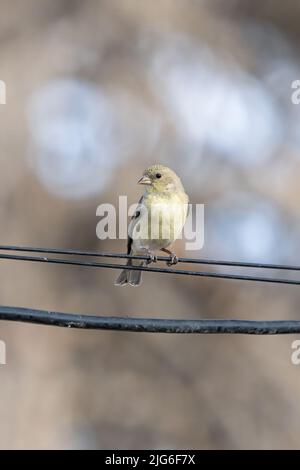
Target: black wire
(288, 267)
(148, 325)
(149, 269)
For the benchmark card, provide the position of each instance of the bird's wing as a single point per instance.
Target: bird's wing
(132, 222)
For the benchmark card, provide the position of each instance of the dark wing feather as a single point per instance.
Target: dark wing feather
(129, 243)
(135, 216)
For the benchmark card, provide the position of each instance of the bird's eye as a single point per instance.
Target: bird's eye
(158, 175)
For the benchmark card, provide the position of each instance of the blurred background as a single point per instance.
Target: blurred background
(96, 92)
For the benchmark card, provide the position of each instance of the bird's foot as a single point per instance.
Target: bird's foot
(173, 260)
(151, 259)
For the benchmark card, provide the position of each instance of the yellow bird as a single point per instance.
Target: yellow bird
(157, 222)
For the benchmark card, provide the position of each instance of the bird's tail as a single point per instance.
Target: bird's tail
(131, 277)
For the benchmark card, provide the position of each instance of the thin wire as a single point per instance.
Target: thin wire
(288, 267)
(148, 325)
(149, 269)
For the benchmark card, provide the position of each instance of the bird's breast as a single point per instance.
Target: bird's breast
(160, 222)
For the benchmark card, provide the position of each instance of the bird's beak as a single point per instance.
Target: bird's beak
(144, 180)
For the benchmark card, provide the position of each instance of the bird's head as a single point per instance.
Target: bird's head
(161, 179)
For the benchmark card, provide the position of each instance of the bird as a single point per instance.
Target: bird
(158, 220)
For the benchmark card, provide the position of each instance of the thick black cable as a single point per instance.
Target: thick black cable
(73, 262)
(148, 325)
(70, 252)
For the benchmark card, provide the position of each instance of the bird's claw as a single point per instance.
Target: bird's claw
(151, 259)
(173, 260)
